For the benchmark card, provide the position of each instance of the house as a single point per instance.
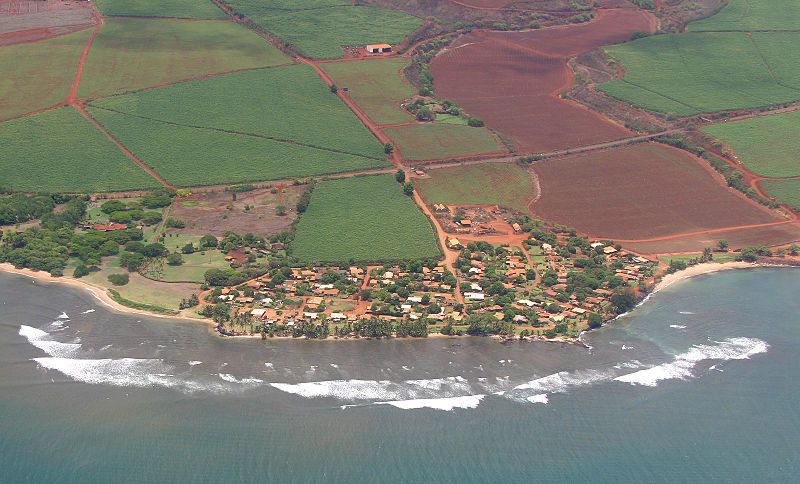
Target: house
(109, 227)
(516, 227)
(379, 48)
(454, 243)
(474, 296)
(609, 250)
(465, 222)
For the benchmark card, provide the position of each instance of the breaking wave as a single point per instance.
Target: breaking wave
(447, 404)
(681, 368)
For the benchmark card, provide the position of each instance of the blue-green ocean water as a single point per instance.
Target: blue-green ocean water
(698, 384)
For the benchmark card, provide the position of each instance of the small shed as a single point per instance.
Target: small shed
(379, 48)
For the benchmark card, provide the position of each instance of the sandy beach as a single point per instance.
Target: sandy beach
(99, 293)
(700, 269)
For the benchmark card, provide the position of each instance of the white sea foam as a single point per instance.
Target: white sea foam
(681, 367)
(405, 368)
(563, 380)
(63, 316)
(87, 311)
(106, 347)
(685, 312)
(195, 363)
(269, 365)
(677, 326)
(232, 379)
(384, 390)
(334, 365)
(44, 342)
(540, 398)
(447, 404)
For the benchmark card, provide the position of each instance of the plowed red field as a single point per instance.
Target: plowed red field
(641, 192)
(513, 80)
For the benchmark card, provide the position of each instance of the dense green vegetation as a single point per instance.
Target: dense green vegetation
(292, 105)
(378, 86)
(767, 145)
(320, 28)
(187, 156)
(363, 218)
(691, 73)
(38, 75)
(20, 208)
(130, 54)
(504, 184)
(751, 15)
(161, 8)
(434, 141)
(787, 191)
(60, 151)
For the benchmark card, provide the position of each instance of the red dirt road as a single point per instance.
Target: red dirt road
(644, 193)
(513, 80)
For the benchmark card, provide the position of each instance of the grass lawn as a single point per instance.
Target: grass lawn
(378, 86)
(431, 141)
(363, 218)
(692, 73)
(787, 191)
(767, 145)
(752, 15)
(131, 54)
(161, 8)
(60, 151)
(38, 75)
(292, 104)
(504, 184)
(319, 28)
(719, 257)
(194, 266)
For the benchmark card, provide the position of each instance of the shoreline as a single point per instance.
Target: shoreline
(103, 297)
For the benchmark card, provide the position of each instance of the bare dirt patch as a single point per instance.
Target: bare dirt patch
(771, 235)
(31, 20)
(216, 212)
(641, 192)
(513, 80)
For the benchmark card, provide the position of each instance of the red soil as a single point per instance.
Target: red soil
(513, 80)
(644, 193)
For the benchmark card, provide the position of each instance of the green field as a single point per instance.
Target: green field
(430, 141)
(719, 257)
(692, 73)
(504, 184)
(161, 8)
(378, 86)
(60, 151)
(319, 28)
(767, 145)
(194, 266)
(38, 75)
(787, 191)
(187, 156)
(292, 104)
(131, 54)
(750, 15)
(363, 218)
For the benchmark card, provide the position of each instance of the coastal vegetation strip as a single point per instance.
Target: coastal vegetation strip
(131, 54)
(364, 219)
(55, 161)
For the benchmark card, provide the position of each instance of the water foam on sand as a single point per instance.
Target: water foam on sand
(681, 368)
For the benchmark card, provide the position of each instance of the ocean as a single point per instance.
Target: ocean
(697, 384)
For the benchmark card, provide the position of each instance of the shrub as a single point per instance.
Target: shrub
(80, 271)
(174, 259)
(208, 241)
(475, 122)
(119, 279)
(188, 249)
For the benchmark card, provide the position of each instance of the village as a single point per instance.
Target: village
(551, 285)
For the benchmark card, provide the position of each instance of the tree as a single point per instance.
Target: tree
(722, 246)
(400, 176)
(408, 188)
(119, 279)
(388, 148)
(113, 206)
(175, 223)
(794, 250)
(623, 300)
(334, 88)
(174, 259)
(475, 122)
(188, 248)
(80, 271)
(595, 320)
(131, 260)
(280, 210)
(155, 250)
(208, 241)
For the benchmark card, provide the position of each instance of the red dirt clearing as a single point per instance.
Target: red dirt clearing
(642, 192)
(513, 80)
